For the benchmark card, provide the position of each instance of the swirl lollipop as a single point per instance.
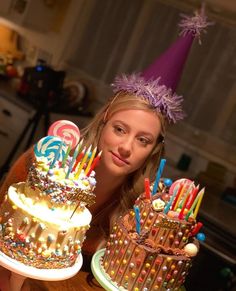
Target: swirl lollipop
(67, 131)
(48, 147)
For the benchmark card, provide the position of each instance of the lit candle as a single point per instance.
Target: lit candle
(94, 164)
(137, 218)
(198, 204)
(90, 160)
(83, 162)
(147, 188)
(57, 154)
(158, 175)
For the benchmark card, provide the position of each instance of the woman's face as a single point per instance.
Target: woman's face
(127, 139)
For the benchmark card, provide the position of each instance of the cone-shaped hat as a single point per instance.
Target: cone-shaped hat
(158, 82)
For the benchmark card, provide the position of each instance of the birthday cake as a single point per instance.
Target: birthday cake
(43, 221)
(152, 246)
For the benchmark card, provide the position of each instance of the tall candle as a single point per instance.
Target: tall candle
(83, 162)
(168, 205)
(79, 158)
(158, 175)
(72, 161)
(193, 205)
(137, 218)
(94, 164)
(198, 204)
(184, 203)
(147, 188)
(66, 156)
(90, 160)
(181, 186)
(192, 197)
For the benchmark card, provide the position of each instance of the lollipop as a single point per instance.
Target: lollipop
(177, 184)
(67, 131)
(48, 147)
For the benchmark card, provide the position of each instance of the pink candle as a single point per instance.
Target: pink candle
(147, 188)
(94, 164)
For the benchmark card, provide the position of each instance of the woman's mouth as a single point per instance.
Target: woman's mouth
(119, 161)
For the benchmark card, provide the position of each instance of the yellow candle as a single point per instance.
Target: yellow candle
(91, 160)
(198, 203)
(82, 163)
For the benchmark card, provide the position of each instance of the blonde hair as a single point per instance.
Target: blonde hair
(134, 184)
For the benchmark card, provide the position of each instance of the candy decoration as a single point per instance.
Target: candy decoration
(67, 131)
(191, 249)
(201, 236)
(177, 183)
(197, 228)
(47, 147)
(158, 175)
(57, 155)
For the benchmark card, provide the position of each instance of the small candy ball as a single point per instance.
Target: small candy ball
(201, 236)
(168, 182)
(191, 249)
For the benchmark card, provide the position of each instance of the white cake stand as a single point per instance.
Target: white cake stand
(21, 271)
(103, 279)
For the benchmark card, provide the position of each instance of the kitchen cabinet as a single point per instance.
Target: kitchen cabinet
(36, 15)
(13, 119)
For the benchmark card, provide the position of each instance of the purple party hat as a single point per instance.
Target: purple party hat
(169, 66)
(158, 82)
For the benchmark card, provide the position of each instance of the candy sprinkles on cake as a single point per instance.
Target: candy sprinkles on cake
(151, 247)
(64, 178)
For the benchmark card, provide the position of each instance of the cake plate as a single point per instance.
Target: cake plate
(103, 279)
(21, 271)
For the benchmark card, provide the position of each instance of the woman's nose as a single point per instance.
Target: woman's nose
(125, 148)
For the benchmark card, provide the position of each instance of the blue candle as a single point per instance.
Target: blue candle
(158, 175)
(137, 218)
(168, 205)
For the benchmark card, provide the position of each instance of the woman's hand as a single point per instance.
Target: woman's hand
(4, 279)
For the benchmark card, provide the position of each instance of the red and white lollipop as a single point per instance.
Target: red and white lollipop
(67, 131)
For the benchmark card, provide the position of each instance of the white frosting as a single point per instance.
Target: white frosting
(56, 216)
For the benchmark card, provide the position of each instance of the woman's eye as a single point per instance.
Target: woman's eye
(119, 129)
(144, 140)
